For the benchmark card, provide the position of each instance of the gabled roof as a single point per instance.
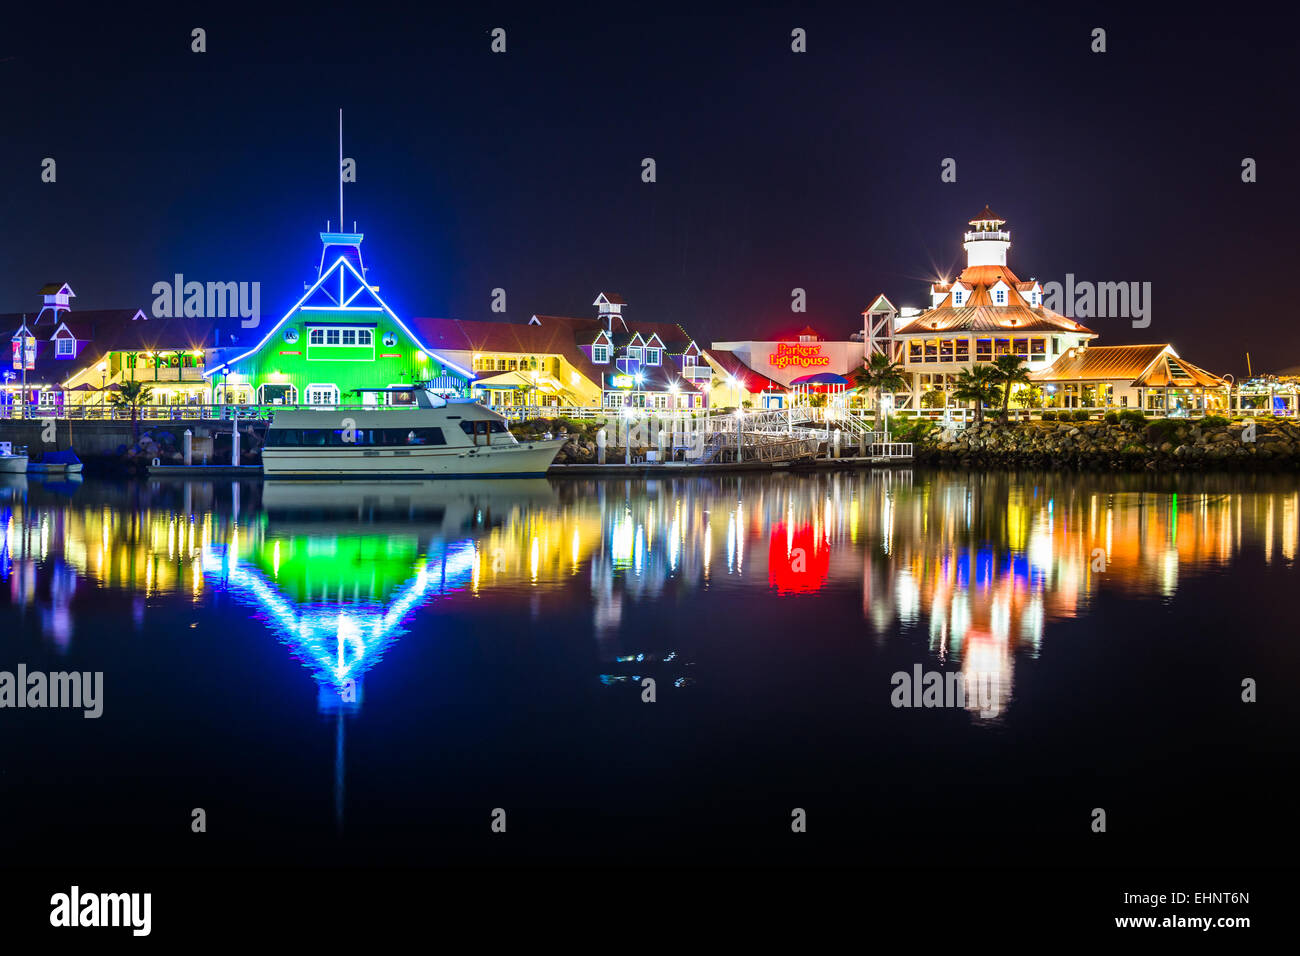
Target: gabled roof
(611, 298)
(343, 267)
(1148, 366)
(57, 288)
(880, 304)
(1008, 319)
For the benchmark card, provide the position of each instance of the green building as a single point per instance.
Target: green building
(339, 337)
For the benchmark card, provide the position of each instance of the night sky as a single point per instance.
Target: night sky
(775, 170)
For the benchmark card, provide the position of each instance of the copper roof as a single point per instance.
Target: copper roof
(985, 317)
(987, 215)
(1148, 366)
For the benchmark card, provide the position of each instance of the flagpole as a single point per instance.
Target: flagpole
(22, 355)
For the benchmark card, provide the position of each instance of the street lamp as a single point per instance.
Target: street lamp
(103, 377)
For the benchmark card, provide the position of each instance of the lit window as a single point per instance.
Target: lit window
(600, 353)
(65, 346)
(653, 356)
(634, 354)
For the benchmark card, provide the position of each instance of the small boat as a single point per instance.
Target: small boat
(433, 438)
(12, 462)
(56, 463)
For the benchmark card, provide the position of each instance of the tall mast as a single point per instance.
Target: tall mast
(340, 169)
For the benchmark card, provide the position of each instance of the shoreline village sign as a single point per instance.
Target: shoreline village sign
(802, 355)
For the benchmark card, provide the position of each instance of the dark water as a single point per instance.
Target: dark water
(362, 673)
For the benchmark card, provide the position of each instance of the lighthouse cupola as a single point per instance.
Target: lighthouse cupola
(987, 242)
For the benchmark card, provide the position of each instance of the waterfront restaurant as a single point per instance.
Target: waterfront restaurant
(78, 358)
(985, 312)
(565, 361)
(774, 366)
(338, 338)
(1152, 378)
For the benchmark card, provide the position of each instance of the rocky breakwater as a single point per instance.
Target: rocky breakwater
(1123, 442)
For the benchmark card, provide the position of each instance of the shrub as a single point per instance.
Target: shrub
(1049, 416)
(1081, 416)
(1132, 416)
(1111, 418)
(1214, 421)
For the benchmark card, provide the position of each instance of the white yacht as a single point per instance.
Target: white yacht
(12, 462)
(432, 438)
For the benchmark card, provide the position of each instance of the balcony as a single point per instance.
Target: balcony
(999, 234)
(150, 376)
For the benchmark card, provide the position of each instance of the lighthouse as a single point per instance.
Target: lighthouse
(987, 242)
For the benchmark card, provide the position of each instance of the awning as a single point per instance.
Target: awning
(821, 378)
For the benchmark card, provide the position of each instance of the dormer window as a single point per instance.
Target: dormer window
(956, 297)
(634, 353)
(65, 347)
(653, 356)
(1000, 297)
(600, 354)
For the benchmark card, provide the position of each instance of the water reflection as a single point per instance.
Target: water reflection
(981, 565)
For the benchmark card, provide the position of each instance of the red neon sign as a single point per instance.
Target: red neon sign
(804, 356)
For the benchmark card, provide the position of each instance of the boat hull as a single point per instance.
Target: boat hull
(525, 460)
(13, 465)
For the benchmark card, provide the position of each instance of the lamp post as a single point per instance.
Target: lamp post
(103, 377)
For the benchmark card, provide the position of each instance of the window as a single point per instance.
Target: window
(634, 353)
(932, 350)
(65, 346)
(343, 337)
(1001, 347)
(614, 399)
(963, 350)
(278, 395)
(956, 297)
(1056, 346)
(945, 350)
(336, 437)
(1021, 347)
(322, 395)
(1000, 297)
(600, 354)
(914, 351)
(653, 356)
(1038, 349)
(984, 350)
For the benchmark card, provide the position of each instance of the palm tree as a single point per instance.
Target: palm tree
(978, 385)
(132, 395)
(1009, 370)
(879, 374)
